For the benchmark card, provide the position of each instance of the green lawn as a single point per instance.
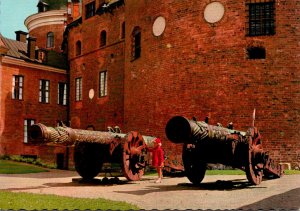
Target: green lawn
(29, 201)
(11, 167)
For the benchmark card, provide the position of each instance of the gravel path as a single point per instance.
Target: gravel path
(215, 192)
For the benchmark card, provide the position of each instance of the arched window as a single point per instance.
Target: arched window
(78, 48)
(136, 43)
(103, 38)
(123, 31)
(50, 40)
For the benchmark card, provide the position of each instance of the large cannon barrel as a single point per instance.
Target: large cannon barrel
(65, 135)
(182, 130)
(93, 148)
(204, 143)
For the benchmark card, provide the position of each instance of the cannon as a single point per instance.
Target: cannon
(93, 148)
(204, 143)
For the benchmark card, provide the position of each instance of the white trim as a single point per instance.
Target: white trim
(46, 18)
(20, 62)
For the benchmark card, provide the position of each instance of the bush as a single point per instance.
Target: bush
(37, 162)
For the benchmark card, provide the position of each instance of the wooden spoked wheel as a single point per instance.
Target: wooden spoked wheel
(88, 158)
(254, 169)
(134, 156)
(193, 167)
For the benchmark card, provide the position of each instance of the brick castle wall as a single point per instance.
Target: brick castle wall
(14, 112)
(201, 69)
(99, 112)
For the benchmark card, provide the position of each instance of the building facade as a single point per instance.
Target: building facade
(34, 85)
(217, 59)
(136, 64)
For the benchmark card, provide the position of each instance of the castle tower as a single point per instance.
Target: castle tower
(48, 24)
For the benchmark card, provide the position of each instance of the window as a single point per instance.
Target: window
(136, 43)
(27, 124)
(50, 40)
(103, 84)
(62, 94)
(78, 89)
(44, 91)
(103, 38)
(123, 30)
(17, 87)
(78, 48)
(256, 53)
(89, 10)
(261, 17)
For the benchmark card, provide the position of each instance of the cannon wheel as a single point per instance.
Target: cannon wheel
(194, 168)
(254, 170)
(133, 156)
(88, 158)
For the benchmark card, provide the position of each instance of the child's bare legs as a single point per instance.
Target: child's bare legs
(160, 175)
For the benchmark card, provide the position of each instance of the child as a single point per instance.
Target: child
(157, 158)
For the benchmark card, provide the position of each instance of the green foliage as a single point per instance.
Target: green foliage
(11, 167)
(37, 162)
(56, 4)
(29, 201)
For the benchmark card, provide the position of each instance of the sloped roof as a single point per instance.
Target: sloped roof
(16, 49)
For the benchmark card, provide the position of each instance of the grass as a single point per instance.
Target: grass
(225, 172)
(290, 172)
(30, 201)
(11, 167)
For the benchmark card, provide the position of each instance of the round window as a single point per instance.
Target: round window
(91, 93)
(214, 12)
(159, 26)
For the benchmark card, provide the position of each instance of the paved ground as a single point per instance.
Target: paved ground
(230, 192)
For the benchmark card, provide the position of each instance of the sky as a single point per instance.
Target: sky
(13, 14)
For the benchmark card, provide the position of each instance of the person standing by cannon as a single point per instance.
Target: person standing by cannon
(157, 158)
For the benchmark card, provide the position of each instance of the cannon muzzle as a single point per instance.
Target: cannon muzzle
(179, 129)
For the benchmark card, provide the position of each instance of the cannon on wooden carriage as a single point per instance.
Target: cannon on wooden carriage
(204, 143)
(93, 148)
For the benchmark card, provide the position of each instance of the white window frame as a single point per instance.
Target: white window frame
(27, 124)
(17, 89)
(103, 84)
(78, 89)
(44, 93)
(62, 92)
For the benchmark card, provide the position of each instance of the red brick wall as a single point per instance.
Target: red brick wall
(200, 69)
(99, 111)
(41, 34)
(13, 112)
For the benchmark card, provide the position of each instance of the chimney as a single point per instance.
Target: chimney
(75, 9)
(21, 36)
(31, 47)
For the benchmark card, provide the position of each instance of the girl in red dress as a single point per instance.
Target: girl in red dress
(158, 158)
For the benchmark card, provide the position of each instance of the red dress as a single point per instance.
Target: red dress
(157, 157)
